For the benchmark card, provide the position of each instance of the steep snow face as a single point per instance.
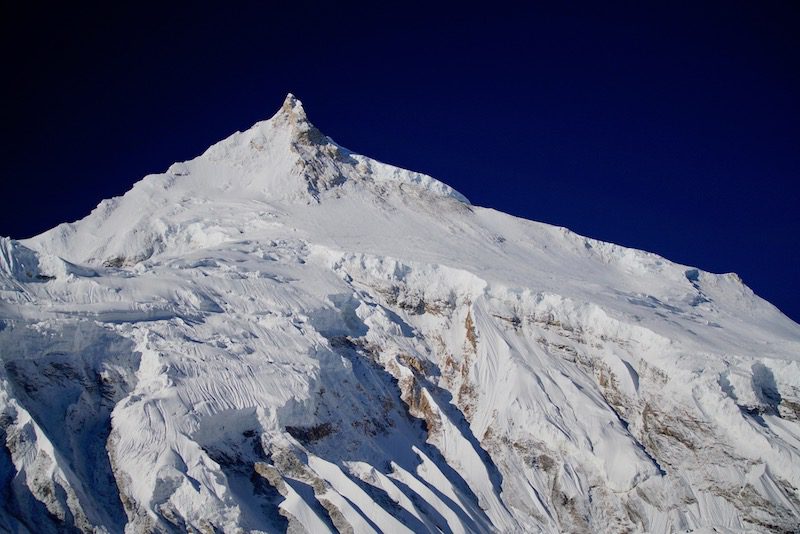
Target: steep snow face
(282, 335)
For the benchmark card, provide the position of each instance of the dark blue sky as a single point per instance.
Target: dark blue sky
(668, 127)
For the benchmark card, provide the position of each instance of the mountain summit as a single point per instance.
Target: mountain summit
(293, 109)
(283, 335)
(283, 159)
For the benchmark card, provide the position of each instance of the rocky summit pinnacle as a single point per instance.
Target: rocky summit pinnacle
(292, 109)
(292, 105)
(282, 335)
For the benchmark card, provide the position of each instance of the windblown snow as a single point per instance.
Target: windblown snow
(282, 335)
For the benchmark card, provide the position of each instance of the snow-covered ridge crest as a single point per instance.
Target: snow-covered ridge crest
(321, 163)
(284, 159)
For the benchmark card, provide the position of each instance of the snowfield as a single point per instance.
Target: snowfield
(282, 335)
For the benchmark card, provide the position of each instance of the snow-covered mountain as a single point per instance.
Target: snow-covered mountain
(281, 334)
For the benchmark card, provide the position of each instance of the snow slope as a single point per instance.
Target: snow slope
(282, 335)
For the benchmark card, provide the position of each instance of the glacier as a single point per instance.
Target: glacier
(282, 335)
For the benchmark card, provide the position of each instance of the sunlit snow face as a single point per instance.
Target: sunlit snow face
(282, 334)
